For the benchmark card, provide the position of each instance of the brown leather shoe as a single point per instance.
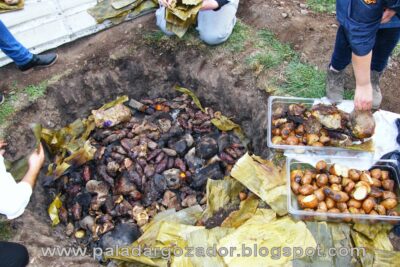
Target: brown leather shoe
(335, 85)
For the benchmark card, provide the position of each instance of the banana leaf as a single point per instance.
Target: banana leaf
(225, 124)
(104, 10)
(263, 230)
(204, 241)
(7, 8)
(221, 194)
(192, 95)
(53, 210)
(262, 178)
(328, 235)
(19, 168)
(247, 209)
(118, 4)
(381, 241)
(367, 146)
(191, 2)
(371, 231)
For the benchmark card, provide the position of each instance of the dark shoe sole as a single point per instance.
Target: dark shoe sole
(2, 100)
(41, 67)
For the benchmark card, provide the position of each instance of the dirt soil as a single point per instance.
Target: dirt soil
(121, 61)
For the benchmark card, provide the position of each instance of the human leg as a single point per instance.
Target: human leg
(12, 48)
(161, 22)
(13, 255)
(215, 27)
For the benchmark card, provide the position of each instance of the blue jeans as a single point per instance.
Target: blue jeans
(386, 41)
(12, 48)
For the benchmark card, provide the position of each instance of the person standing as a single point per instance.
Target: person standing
(368, 33)
(14, 197)
(25, 60)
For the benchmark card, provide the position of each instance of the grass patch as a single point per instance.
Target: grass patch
(36, 91)
(396, 51)
(155, 36)
(5, 231)
(303, 80)
(271, 52)
(6, 110)
(322, 6)
(239, 37)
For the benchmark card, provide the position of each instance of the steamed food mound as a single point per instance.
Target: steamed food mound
(322, 125)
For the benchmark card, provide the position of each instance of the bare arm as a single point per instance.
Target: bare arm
(362, 72)
(36, 161)
(209, 5)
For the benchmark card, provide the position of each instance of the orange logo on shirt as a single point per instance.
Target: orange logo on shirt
(370, 2)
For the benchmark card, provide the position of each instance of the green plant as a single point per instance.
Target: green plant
(267, 40)
(6, 110)
(36, 91)
(5, 231)
(396, 51)
(322, 5)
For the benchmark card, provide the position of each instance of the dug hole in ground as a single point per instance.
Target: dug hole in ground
(121, 61)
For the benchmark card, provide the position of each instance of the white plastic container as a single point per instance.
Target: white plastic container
(297, 212)
(273, 101)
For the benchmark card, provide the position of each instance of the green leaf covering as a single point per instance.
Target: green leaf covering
(192, 95)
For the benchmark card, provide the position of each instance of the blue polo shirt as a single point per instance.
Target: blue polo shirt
(361, 21)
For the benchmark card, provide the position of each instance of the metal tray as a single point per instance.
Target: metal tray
(295, 210)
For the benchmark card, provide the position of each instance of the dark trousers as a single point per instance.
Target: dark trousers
(386, 41)
(13, 255)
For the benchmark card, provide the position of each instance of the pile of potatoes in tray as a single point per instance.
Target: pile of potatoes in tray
(337, 189)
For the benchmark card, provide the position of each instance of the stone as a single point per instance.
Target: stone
(165, 125)
(192, 161)
(284, 15)
(180, 147)
(189, 201)
(212, 171)
(172, 177)
(206, 148)
(124, 234)
(188, 139)
(170, 200)
(160, 183)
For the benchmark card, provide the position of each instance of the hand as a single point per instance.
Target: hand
(3, 144)
(363, 97)
(166, 3)
(36, 160)
(388, 15)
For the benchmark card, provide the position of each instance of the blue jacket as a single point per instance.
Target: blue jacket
(361, 21)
